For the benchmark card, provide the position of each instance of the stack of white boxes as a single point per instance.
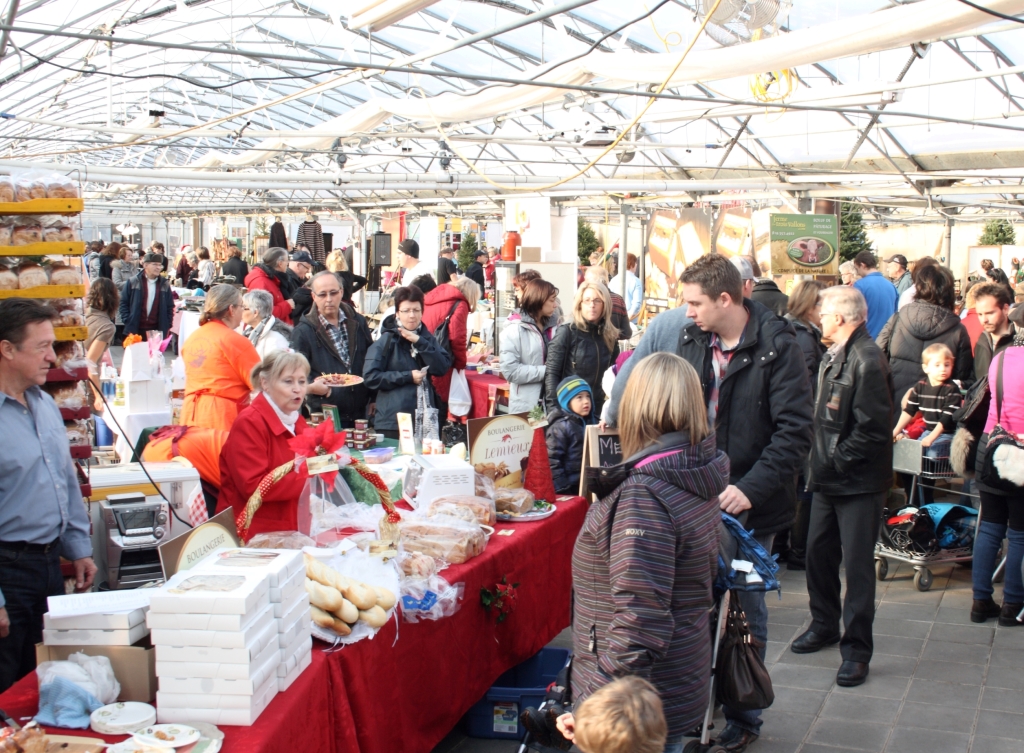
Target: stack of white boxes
(229, 633)
(95, 629)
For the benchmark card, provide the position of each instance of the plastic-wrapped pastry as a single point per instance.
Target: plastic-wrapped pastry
(416, 565)
(66, 395)
(65, 276)
(31, 276)
(518, 501)
(23, 234)
(5, 235)
(69, 318)
(61, 187)
(8, 279)
(68, 350)
(59, 234)
(78, 432)
(473, 509)
(446, 538)
(28, 188)
(6, 188)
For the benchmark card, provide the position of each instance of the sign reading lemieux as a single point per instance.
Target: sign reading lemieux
(805, 244)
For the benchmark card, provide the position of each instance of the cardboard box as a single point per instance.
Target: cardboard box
(127, 637)
(237, 717)
(134, 666)
(295, 583)
(283, 683)
(280, 565)
(283, 608)
(302, 642)
(215, 669)
(212, 593)
(266, 636)
(221, 622)
(289, 633)
(215, 638)
(214, 700)
(125, 621)
(220, 685)
(299, 609)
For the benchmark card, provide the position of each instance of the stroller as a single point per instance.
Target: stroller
(736, 547)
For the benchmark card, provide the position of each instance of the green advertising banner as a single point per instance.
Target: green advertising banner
(805, 244)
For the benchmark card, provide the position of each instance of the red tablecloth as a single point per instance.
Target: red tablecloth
(384, 696)
(478, 385)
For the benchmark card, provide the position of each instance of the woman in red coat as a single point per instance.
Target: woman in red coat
(258, 443)
(267, 276)
(457, 298)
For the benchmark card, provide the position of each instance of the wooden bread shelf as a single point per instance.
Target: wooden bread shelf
(47, 248)
(43, 206)
(60, 374)
(46, 291)
(71, 333)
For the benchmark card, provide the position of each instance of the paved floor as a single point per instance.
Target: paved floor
(938, 682)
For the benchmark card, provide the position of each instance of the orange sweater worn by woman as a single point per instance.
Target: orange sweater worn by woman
(218, 362)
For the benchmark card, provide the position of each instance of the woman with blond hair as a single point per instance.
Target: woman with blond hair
(645, 558)
(218, 362)
(350, 283)
(258, 443)
(585, 347)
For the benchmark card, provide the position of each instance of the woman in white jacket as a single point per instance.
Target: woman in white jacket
(266, 332)
(524, 345)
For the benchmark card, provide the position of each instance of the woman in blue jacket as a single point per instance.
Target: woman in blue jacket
(400, 361)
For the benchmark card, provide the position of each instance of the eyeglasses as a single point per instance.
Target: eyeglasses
(410, 311)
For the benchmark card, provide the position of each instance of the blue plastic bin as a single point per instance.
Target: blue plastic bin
(104, 436)
(496, 715)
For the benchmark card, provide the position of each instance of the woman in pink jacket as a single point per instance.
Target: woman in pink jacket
(1002, 512)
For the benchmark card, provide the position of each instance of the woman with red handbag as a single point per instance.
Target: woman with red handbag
(1000, 482)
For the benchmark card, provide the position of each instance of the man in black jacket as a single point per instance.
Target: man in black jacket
(334, 339)
(759, 401)
(147, 302)
(993, 310)
(300, 265)
(475, 271)
(850, 474)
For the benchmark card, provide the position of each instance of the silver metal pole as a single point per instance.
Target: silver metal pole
(626, 210)
(12, 12)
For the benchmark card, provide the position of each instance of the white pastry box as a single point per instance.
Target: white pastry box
(299, 610)
(218, 622)
(238, 717)
(221, 685)
(265, 638)
(280, 565)
(218, 670)
(214, 700)
(281, 608)
(291, 633)
(296, 583)
(212, 593)
(95, 637)
(122, 621)
(243, 638)
(145, 396)
(285, 682)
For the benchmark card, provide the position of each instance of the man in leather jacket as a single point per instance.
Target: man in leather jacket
(850, 474)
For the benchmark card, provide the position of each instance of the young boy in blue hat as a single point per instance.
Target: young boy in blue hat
(566, 428)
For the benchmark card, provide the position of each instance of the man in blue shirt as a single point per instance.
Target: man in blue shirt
(879, 293)
(42, 515)
(634, 296)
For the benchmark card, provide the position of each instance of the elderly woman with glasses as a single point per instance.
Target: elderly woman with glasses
(265, 331)
(271, 275)
(334, 338)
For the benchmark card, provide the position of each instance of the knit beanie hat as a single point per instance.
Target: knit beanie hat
(569, 388)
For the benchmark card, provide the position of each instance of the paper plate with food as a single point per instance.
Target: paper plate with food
(541, 509)
(167, 736)
(340, 380)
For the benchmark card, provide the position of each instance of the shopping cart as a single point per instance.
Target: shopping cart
(908, 457)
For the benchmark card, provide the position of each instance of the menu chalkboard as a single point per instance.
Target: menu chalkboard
(601, 449)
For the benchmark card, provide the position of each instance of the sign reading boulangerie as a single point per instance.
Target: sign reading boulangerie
(186, 550)
(499, 447)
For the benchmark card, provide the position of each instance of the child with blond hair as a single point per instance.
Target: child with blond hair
(624, 716)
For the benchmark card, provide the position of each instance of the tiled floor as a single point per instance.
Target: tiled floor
(938, 682)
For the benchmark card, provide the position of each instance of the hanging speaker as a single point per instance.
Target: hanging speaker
(381, 249)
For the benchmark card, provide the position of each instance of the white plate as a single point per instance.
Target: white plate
(528, 517)
(122, 718)
(183, 735)
(205, 745)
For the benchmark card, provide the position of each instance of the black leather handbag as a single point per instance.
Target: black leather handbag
(741, 679)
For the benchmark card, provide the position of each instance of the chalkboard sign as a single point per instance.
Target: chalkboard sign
(601, 449)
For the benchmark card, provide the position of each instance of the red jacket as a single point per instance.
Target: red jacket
(257, 444)
(973, 326)
(258, 279)
(439, 302)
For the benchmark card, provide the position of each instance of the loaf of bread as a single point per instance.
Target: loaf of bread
(22, 235)
(65, 276)
(66, 395)
(358, 593)
(6, 188)
(479, 509)
(448, 539)
(5, 235)
(514, 500)
(27, 189)
(8, 279)
(385, 598)
(324, 597)
(374, 616)
(61, 188)
(69, 318)
(59, 233)
(329, 621)
(416, 565)
(348, 612)
(31, 276)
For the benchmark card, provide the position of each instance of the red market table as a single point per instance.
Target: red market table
(405, 689)
(479, 384)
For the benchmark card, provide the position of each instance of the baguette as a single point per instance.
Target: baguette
(318, 571)
(348, 612)
(327, 598)
(361, 595)
(374, 617)
(385, 599)
(330, 622)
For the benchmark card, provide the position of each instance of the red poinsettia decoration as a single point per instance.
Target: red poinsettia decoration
(502, 599)
(320, 440)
